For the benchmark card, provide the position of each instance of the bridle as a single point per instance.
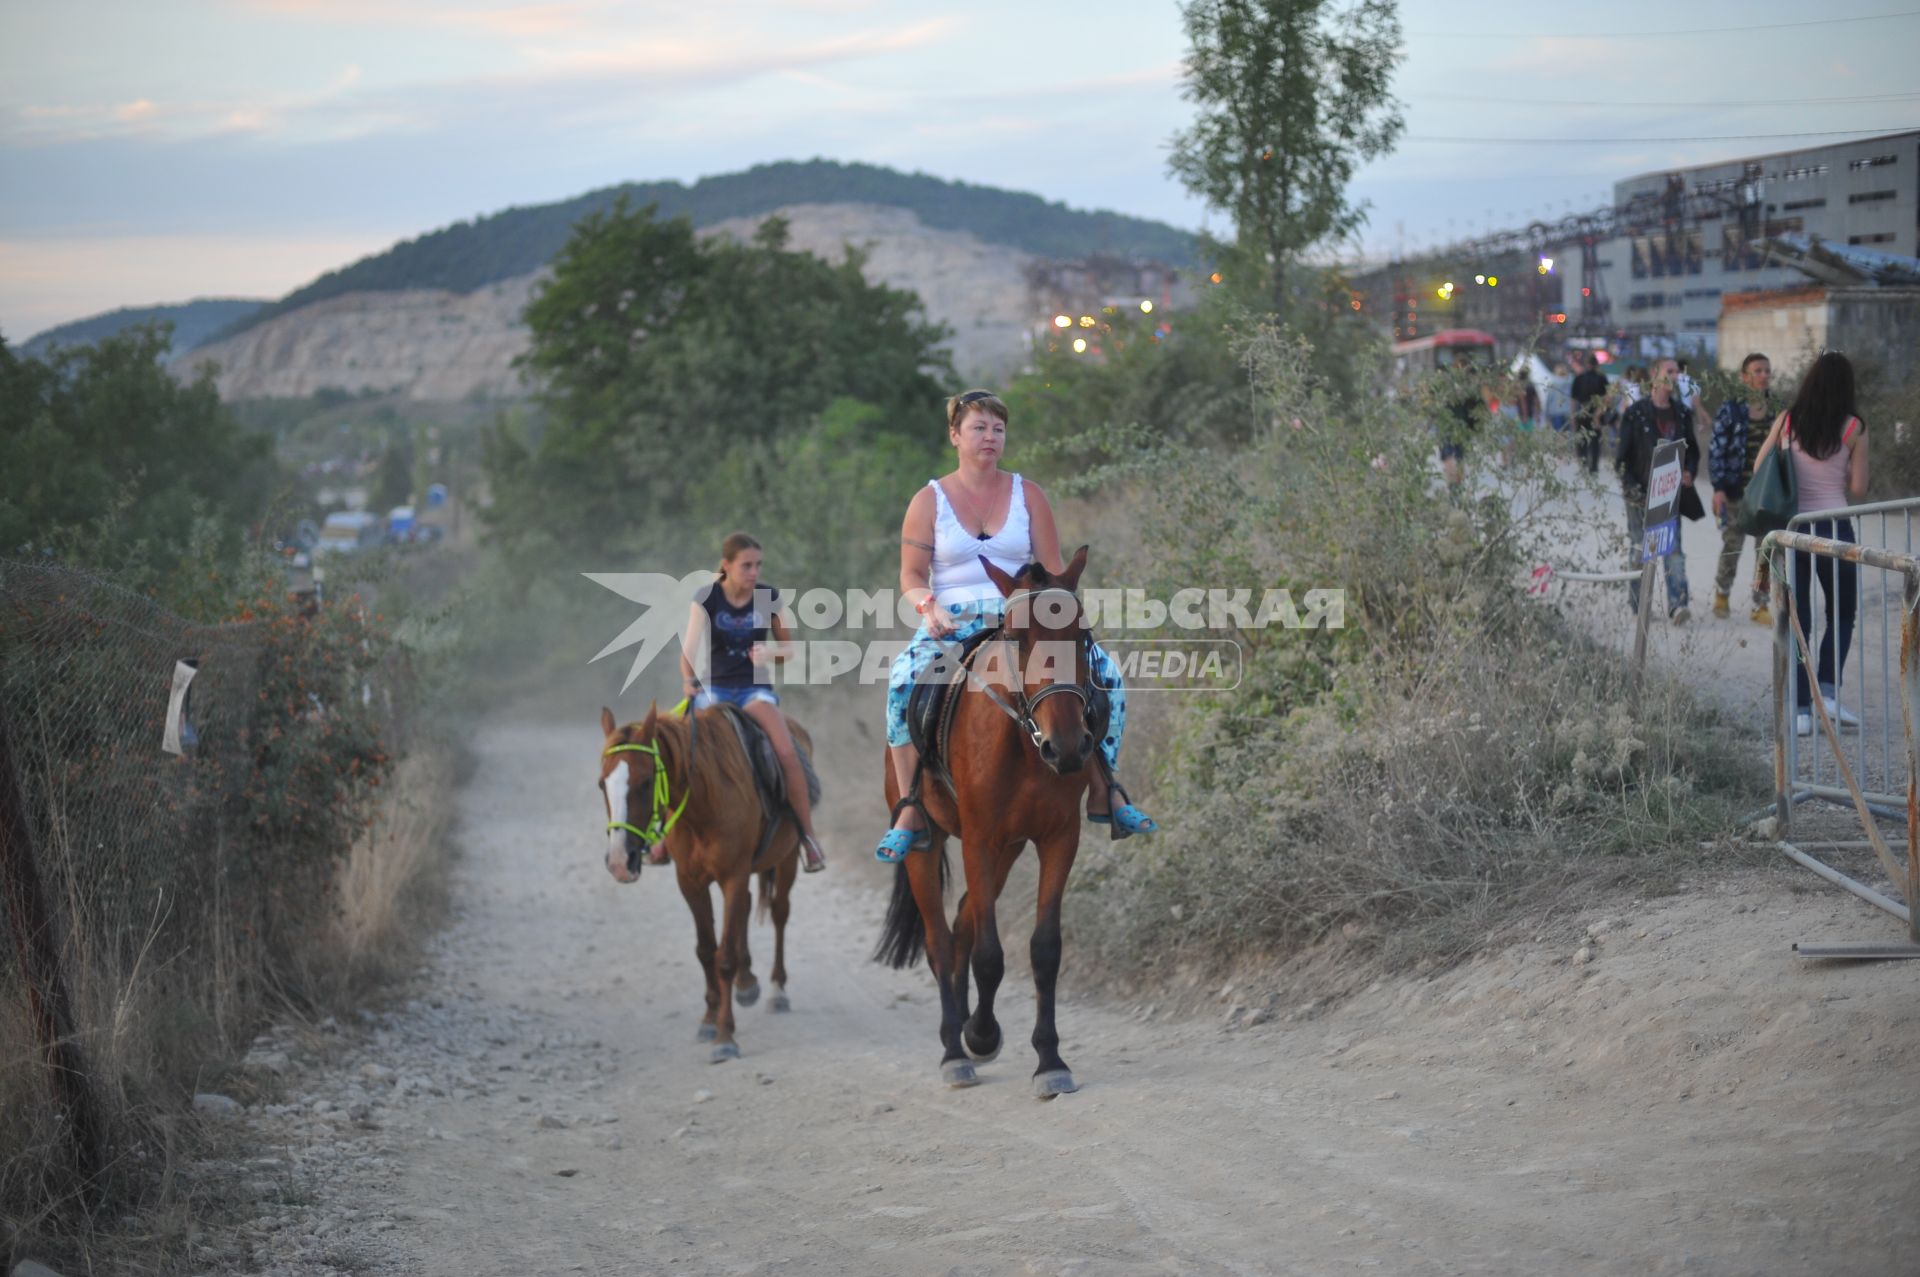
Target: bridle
(656, 829)
(1023, 707)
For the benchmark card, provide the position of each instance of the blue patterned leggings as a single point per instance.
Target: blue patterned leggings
(970, 619)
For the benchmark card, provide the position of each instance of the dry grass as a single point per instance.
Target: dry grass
(157, 1026)
(387, 885)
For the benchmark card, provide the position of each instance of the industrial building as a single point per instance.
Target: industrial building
(1650, 272)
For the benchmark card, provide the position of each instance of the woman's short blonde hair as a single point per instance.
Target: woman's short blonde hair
(985, 401)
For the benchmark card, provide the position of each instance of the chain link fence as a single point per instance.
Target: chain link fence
(174, 799)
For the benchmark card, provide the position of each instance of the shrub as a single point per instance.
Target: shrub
(1453, 743)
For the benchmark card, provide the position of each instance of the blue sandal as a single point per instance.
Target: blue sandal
(1127, 820)
(896, 843)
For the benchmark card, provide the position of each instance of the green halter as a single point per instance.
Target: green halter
(655, 830)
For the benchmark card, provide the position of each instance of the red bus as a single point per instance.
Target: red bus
(1414, 359)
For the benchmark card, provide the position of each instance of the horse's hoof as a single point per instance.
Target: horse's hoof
(957, 1073)
(1054, 1082)
(981, 1057)
(723, 1051)
(778, 1002)
(705, 1033)
(748, 995)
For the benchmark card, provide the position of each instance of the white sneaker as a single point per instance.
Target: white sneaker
(1680, 615)
(1803, 723)
(1842, 716)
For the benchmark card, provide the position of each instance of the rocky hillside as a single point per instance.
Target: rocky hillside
(432, 344)
(193, 322)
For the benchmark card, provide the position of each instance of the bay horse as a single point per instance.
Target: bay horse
(689, 782)
(1019, 767)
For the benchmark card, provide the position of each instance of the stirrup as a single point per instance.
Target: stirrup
(814, 863)
(1125, 820)
(896, 843)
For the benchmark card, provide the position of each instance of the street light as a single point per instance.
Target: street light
(1146, 307)
(1079, 345)
(1062, 321)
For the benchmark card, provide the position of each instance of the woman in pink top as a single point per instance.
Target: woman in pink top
(1829, 449)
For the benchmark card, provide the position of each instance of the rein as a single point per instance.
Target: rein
(662, 795)
(1022, 711)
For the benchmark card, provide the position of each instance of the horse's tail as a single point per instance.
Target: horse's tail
(904, 938)
(766, 893)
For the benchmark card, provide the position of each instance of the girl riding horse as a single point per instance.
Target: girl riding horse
(728, 635)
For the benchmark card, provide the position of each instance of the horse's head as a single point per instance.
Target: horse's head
(630, 771)
(1050, 632)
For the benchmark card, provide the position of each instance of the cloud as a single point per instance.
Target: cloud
(711, 60)
(518, 21)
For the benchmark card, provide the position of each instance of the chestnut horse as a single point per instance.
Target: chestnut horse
(1018, 757)
(689, 781)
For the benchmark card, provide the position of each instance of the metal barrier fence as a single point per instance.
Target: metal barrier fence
(1875, 752)
(1853, 739)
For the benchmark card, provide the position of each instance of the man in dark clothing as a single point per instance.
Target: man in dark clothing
(1739, 428)
(1648, 422)
(1467, 411)
(1589, 400)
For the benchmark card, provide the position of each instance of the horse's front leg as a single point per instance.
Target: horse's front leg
(923, 875)
(1052, 1077)
(981, 1034)
(746, 986)
(737, 901)
(700, 901)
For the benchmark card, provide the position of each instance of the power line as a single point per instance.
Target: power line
(1616, 104)
(1558, 35)
(1617, 141)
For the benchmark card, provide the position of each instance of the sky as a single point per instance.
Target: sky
(159, 150)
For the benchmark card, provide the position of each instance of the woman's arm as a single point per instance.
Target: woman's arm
(694, 640)
(782, 648)
(1045, 536)
(1857, 465)
(916, 547)
(916, 562)
(1773, 437)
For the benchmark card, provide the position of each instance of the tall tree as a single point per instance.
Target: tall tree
(1293, 95)
(112, 464)
(655, 350)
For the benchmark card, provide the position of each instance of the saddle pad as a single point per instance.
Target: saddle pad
(926, 703)
(768, 776)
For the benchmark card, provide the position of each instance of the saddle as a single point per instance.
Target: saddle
(769, 778)
(931, 704)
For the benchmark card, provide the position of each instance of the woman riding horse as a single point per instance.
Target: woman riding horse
(728, 631)
(979, 510)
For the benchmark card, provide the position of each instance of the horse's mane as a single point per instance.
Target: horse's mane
(720, 766)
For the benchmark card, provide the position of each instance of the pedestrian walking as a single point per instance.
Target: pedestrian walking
(1657, 418)
(1589, 403)
(1829, 444)
(1740, 430)
(1559, 402)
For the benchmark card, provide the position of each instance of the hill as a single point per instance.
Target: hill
(439, 344)
(468, 256)
(193, 322)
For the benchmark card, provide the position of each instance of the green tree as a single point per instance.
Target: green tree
(651, 345)
(1293, 95)
(114, 465)
(393, 481)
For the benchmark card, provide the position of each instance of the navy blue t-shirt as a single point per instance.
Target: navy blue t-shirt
(733, 630)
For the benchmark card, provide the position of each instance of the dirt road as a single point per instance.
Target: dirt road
(1682, 1096)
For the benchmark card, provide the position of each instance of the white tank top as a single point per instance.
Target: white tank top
(957, 576)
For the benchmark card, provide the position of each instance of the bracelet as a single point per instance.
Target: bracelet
(926, 601)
